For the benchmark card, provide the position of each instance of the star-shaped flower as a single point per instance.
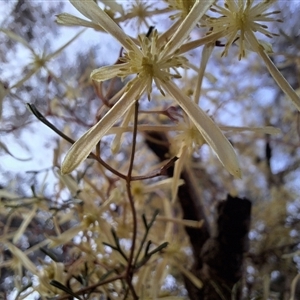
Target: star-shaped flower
(38, 61)
(152, 60)
(239, 21)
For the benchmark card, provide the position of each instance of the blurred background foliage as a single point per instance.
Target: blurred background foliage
(60, 223)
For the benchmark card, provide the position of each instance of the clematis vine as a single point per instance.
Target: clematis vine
(151, 60)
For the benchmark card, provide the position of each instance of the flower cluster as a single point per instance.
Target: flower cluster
(150, 60)
(156, 59)
(118, 227)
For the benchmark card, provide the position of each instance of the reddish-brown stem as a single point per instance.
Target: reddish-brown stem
(129, 271)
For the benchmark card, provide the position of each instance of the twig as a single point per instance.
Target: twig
(41, 118)
(129, 271)
(84, 290)
(147, 227)
(163, 171)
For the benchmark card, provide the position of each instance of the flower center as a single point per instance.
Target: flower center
(185, 6)
(149, 67)
(240, 20)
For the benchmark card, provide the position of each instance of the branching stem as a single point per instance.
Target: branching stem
(130, 266)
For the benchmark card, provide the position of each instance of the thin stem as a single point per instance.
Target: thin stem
(91, 287)
(147, 227)
(162, 171)
(134, 134)
(41, 118)
(129, 271)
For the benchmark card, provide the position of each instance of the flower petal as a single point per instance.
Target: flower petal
(114, 6)
(263, 130)
(211, 38)
(22, 257)
(107, 72)
(188, 24)
(83, 147)
(277, 76)
(206, 53)
(210, 131)
(17, 38)
(92, 11)
(65, 237)
(27, 219)
(70, 20)
(195, 280)
(117, 141)
(179, 165)
(60, 49)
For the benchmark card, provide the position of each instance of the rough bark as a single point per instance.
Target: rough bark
(223, 253)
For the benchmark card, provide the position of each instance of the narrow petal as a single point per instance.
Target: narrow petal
(17, 38)
(210, 131)
(27, 219)
(117, 141)
(70, 20)
(25, 78)
(82, 148)
(188, 24)
(92, 11)
(114, 6)
(263, 130)
(206, 53)
(211, 38)
(280, 80)
(22, 257)
(65, 237)
(277, 76)
(73, 187)
(195, 280)
(107, 72)
(166, 35)
(179, 165)
(184, 222)
(65, 45)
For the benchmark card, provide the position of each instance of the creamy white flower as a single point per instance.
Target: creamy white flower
(239, 20)
(151, 61)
